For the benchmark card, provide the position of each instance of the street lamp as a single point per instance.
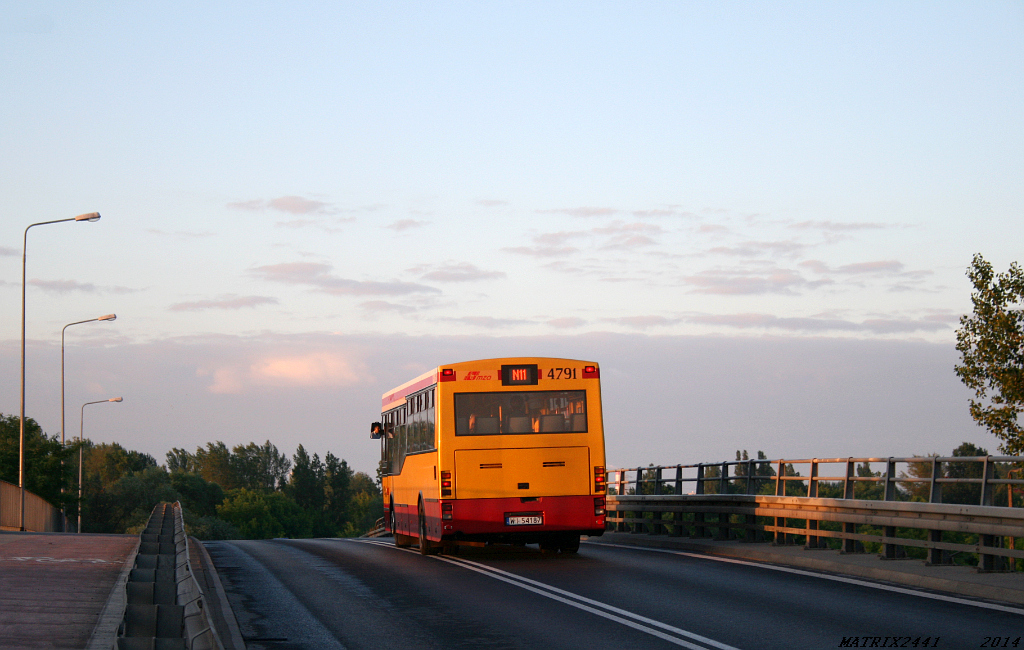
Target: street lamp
(63, 423)
(81, 428)
(89, 216)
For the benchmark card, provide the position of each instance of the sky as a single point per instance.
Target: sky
(757, 217)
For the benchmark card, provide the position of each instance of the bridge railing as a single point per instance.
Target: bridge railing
(940, 507)
(40, 516)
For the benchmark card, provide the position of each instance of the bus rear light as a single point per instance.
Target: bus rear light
(599, 479)
(599, 506)
(446, 484)
(447, 374)
(446, 511)
(591, 372)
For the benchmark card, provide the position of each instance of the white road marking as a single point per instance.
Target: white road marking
(823, 576)
(621, 616)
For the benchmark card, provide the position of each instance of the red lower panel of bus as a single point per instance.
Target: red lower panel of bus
(512, 518)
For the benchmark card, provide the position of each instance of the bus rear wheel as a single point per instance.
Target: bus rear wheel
(549, 544)
(424, 542)
(569, 544)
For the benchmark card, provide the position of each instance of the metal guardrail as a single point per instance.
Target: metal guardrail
(854, 506)
(378, 529)
(40, 516)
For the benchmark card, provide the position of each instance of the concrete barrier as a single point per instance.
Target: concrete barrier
(165, 605)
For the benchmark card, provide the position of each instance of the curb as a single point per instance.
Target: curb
(104, 634)
(228, 614)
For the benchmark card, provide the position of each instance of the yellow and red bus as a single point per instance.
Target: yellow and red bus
(497, 450)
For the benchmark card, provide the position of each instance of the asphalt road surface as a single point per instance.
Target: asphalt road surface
(331, 593)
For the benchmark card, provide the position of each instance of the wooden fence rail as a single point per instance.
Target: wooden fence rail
(754, 500)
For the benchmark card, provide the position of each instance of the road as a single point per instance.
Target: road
(330, 593)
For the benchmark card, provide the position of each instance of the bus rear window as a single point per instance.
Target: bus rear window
(549, 411)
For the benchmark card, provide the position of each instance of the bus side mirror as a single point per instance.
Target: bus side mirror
(376, 431)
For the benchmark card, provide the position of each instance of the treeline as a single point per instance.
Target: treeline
(764, 473)
(246, 492)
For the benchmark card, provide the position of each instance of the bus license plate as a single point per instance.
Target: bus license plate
(524, 520)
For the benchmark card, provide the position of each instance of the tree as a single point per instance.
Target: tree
(198, 496)
(127, 503)
(306, 486)
(214, 465)
(991, 344)
(108, 463)
(260, 515)
(964, 493)
(919, 490)
(260, 467)
(181, 460)
(365, 505)
(43, 456)
(337, 478)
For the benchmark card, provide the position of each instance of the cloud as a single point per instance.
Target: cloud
(582, 212)
(406, 224)
(63, 286)
(558, 238)
(776, 280)
(643, 322)
(298, 223)
(382, 306)
(565, 323)
(541, 251)
(761, 248)
(227, 302)
(834, 226)
(549, 244)
(318, 276)
(943, 317)
(628, 236)
(783, 391)
(299, 205)
(892, 268)
(289, 204)
(252, 204)
(887, 266)
(618, 235)
(180, 234)
(491, 203)
(314, 369)
(815, 265)
(616, 228)
(489, 322)
(454, 272)
(818, 324)
(629, 242)
(663, 212)
(712, 228)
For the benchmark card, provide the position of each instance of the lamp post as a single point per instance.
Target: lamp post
(81, 429)
(89, 216)
(63, 423)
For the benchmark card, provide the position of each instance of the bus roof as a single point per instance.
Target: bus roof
(397, 395)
